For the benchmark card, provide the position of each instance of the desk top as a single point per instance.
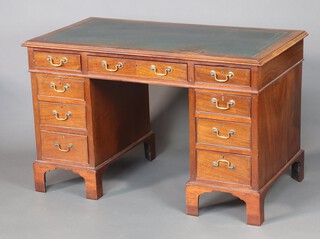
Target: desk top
(122, 36)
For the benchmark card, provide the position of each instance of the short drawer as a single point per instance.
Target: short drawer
(57, 61)
(64, 115)
(222, 75)
(227, 104)
(130, 67)
(222, 133)
(64, 147)
(60, 86)
(229, 168)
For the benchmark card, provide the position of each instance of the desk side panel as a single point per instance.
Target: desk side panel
(36, 114)
(279, 114)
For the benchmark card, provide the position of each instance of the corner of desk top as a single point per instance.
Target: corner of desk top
(25, 44)
(30, 43)
(295, 37)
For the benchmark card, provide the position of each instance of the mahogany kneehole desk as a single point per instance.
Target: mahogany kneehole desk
(244, 102)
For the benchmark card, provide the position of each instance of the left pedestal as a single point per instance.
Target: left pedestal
(83, 125)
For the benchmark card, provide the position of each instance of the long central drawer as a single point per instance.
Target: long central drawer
(130, 67)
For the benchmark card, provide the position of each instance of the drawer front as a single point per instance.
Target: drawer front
(162, 70)
(66, 147)
(229, 168)
(57, 61)
(150, 69)
(109, 65)
(227, 104)
(221, 133)
(64, 115)
(222, 75)
(60, 86)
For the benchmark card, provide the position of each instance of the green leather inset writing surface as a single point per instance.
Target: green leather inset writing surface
(197, 39)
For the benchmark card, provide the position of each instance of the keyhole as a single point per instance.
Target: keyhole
(61, 107)
(60, 83)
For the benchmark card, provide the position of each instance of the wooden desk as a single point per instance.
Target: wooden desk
(244, 102)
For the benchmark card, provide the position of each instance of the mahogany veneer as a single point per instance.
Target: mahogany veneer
(90, 94)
